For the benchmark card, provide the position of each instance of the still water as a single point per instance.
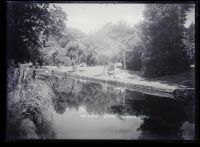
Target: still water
(86, 110)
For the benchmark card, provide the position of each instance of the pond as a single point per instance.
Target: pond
(86, 110)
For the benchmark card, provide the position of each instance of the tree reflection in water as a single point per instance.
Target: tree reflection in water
(162, 117)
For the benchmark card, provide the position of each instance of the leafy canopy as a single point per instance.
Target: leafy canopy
(29, 26)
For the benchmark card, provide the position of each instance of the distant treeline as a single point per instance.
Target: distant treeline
(159, 45)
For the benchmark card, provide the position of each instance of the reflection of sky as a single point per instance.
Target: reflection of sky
(71, 125)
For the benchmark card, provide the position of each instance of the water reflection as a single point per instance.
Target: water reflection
(117, 113)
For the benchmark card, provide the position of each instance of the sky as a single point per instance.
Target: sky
(91, 17)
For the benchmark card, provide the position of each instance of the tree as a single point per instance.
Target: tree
(134, 48)
(120, 33)
(72, 52)
(163, 33)
(129, 42)
(190, 42)
(29, 26)
(54, 57)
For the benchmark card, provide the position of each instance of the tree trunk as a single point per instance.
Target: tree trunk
(124, 60)
(74, 64)
(104, 70)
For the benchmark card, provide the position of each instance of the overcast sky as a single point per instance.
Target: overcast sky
(91, 17)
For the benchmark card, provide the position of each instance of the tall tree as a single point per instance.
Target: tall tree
(163, 34)
(134, 48)
(29, 25)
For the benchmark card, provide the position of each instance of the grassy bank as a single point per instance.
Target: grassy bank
(29, 106)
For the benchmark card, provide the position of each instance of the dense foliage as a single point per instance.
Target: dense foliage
(163, 34)
(29, 25)
(64, 51)
(134, 49)
(190, 42)
(100, 48)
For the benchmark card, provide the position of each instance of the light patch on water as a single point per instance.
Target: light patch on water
(188, 131)
(71, 125)
(106, 116)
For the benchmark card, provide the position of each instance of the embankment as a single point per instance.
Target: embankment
(29, 106)
(149, 87)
